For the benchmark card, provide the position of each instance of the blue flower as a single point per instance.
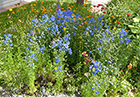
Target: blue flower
(121, 41)
(43, 16)
(97, 83)
(11, 44)
(96, 93)
(57, 60)
(52, 18)
(84, 32)
(74, 33)
(90, 52)
(35, 59)
(68, 35)
(31, 65)
(5, 42)
(70, 51)
(27, 48)
(94, 73)
(92, 88)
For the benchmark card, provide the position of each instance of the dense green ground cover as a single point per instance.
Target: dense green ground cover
(73, 50)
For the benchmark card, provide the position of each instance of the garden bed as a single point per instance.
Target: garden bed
(56, 48)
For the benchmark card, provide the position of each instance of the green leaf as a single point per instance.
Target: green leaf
(134, 30)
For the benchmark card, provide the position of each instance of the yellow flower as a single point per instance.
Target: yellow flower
(119, 15)
(56, 68)
(102, 20)
(131, 64)
(87, 9)
(10, 9)
(128, 49)
(102, 29)
(80, 25)
(73, 10)
(64, 28)
(85, 63)
(112, 16)
(80, 37)
(37, 11)
(34, 4)
(62, 8)
(31, 4)
(87, 33)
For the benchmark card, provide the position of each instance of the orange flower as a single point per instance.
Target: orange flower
(74, 19)
(17, 10)
(51, 10)
(80, 25)
(91, 15)
(24, 7)
(87, 9)
(18, 6)
(129, 14)
(129, 66)
(31, 4)
(42, 1)
(9, 21)
(121, 70)
(83, 18)
(13, 12)
(50, 7)
(45, 12)
(87, 16)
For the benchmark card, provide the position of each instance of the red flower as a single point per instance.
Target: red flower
(129, 14)
(15, 4)
(104, 12)
(29, 3)
(102, 8)
(88, 60)
(118, 22)
(121, 70)
(18, 3)
(99, 5)
(94, 6)
(129, 66)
